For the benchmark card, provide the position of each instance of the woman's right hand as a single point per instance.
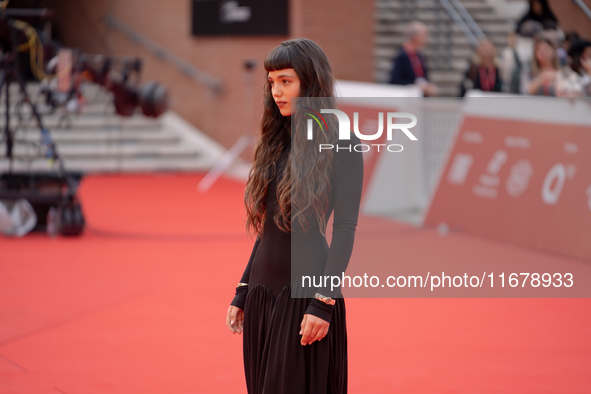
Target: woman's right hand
(235, 319)
(545, 77)
(548, 76)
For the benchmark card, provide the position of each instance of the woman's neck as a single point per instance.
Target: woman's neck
(546, 67)
(487, 63)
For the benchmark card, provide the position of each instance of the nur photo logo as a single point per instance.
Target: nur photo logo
(345, 129)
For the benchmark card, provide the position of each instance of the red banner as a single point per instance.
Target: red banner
(519, 181)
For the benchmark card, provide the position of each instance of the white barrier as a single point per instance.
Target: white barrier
(401, 184)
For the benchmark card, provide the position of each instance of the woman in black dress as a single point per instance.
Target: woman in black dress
(295, 344)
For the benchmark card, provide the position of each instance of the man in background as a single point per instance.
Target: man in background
(409, 65)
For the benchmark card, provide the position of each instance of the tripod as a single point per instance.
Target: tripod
(9, 71)
(59, 208)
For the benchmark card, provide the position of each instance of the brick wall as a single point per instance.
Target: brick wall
(344, 28)
(571, 17)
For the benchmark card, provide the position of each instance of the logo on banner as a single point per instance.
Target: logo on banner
(489, 181)
(519, 176)
(554, 182)
(459, 168)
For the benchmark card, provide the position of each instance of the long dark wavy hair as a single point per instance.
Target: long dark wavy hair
(304, 185)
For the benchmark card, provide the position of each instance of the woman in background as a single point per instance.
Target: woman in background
(580, 55)
(539, 11)
(546, 77)
(544, 69)
(483, 74)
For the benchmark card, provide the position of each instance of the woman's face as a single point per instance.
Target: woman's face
(486, 50)
(544, 53)
(284, 84)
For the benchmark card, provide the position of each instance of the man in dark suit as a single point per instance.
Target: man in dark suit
(409, 65)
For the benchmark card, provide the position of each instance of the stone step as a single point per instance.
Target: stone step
(490, 29)
(429, 51)
(136, 164)
(152, 136)
(89, 122)
(456, 64)
(429, 16)
(438, 77)
(105, 150)
(433, 59)
(419, 4)
(448, 90)
(458, 41)
(89, 109)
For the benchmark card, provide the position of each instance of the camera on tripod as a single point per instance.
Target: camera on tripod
(53, 195)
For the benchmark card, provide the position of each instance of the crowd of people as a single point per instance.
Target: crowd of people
(540, 59)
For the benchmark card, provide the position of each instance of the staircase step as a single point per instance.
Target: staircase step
(456, 64)
(89, 109)
(394, 27)
(89, 122)
(448, 90)
(389, 52)
(458, 41)
(153, 136)
(469, 5)
(446, 76)
(71, 150)
(119, 165)
(434, 15)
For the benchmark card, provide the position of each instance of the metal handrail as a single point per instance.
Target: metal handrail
(468, 19)
(453, 14)
(161, 53)
(584, 7)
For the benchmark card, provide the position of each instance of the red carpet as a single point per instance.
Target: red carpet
(138, 303)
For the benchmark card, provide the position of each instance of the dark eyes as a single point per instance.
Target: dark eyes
(284, 81)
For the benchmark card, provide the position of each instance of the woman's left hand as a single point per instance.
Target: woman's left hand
(313, 328)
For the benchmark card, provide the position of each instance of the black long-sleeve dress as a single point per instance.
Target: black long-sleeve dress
(274, 360)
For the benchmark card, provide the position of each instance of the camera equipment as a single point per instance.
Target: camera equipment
(151, 97)
(120, 75)
(41, 190)
(53, 195)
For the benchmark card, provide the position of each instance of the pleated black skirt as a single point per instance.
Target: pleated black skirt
(274, 360)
